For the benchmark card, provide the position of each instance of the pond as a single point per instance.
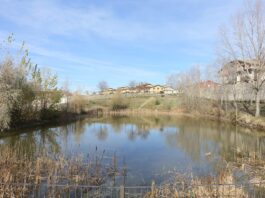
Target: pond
(151, 147)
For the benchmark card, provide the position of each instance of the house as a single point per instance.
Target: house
(157, 89)
(238, 71)
(238, 77)
(133, 90)
(208, 84)
(207, 89)
(169, 90)
(66, 97)
(123, 90)
(143, 88)
(108, 91)
(64, 100)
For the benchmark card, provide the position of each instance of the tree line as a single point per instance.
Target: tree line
(241, 49)
(27, 92)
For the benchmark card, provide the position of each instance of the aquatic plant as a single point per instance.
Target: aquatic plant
(22, 174)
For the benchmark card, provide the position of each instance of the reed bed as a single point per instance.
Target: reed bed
(21, 173)
(180, 185)
(225, 184)
(253, 167)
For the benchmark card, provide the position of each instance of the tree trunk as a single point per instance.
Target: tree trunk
(257, 114)
(236, 109)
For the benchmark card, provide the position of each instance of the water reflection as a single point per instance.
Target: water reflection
(195, 137)
(151, 145)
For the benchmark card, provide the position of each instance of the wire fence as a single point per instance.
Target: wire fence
(256, 190)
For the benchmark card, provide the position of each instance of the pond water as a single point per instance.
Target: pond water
(150, 146)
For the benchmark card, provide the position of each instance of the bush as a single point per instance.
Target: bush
(157, 102)
(78, 104)
(49, 114)
(118, 102)
(26, 92)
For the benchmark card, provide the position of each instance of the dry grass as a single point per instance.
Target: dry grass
(221, 186)
(253, 167)
(49, 170)
(119, 102)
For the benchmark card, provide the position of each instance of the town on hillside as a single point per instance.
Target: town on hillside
(143, 88)
(150, 89)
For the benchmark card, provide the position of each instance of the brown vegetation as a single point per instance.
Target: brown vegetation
(221, 186)
(118, 102)
(27, 92)
(22, 174)
(29, 95)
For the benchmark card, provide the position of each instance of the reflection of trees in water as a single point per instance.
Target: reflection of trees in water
(190, 143)
(117, 122)
(48, 140)
(197, 138)
(117, 127)
(134, 127)
(65, 131)
(24, 143)
(32, 143)
(132, 132)
(144, 134)
(79, 129)
(102, 132)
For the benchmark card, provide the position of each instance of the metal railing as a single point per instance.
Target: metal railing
(256, 190)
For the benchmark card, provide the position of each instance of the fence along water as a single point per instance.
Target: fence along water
(256, 190)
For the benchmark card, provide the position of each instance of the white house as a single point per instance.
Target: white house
(169, 91)
(63, 100)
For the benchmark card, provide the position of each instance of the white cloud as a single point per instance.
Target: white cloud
(52, 17)
(81, 63)
(51, 27)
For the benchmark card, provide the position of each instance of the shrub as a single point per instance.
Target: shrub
(25, 92)
(78, 104)
(118, 102)
(157, 102)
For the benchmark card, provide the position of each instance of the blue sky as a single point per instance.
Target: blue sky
(86, 41)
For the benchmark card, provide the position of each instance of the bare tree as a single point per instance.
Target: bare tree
(184, 80)
(45, 83)
(16, 92)
(173, 80)
(244, 44)
(8, 95)
(102, 85)
(186, 83)
(132, 84)
(78, 102)
(66, 92)
(22, 86)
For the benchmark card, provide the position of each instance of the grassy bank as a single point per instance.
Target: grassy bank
(150, 105)
(243, 119)
(179, 105)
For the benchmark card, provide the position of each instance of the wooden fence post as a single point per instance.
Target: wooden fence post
(122, 191)
(153, 188)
